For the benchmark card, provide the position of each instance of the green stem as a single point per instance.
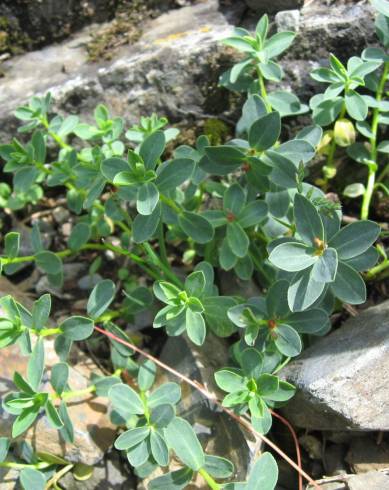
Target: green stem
(21, 466)
(282, 365)
(75, 394)
(45, 332)
(331, 154)
(263, 89)
(165, 269)
(372, 273)
(170, 203)
(368, 194)
(162, 244)
(55, 136)
(208, 478)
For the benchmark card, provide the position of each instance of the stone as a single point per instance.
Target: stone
(60, 214)
(94, 433)
(288, 20)
(342, 380)
(366, 455)
(272, 6)
(374, 480)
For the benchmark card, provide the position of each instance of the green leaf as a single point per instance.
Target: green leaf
(365, 261)
(264, 473)
(168, 393)
(147, 198)
(253, 109)
(111, 167)
(284, 172)
(36, 365)
(195, 283)
(355, 238)
(349, 285)
(227, 259)
(122, 395)
(174, 173)
(230, 381)
(159, 449)
(252, 214)
(4, 448)
(77, 327)
(53, 415)
(48, 262)
(354, 190)
(32, 479)
(162, 415)
(267, 384)
(146, 375)
(293, 256)
(304, 290)
(41, 311)
(176, 480)
(67, 431)
(228, 157)
(195, 326)
(325, 268)
(278, 43)
(152, 148)
(216, 308)
(196, 227)
(59, 377)
(382, 6)
(264, 133)
(308, 222)
(276, 299)
(79, 236)
(356, 105)
(309, 321)
(239, 43)
(138, 455)
(131, 438)
(218, 467)
(183, 440)
(237, 239)
(234, 199)
(25, 420)
(252, 363)
(100, 298)
(11, 244)
(144, 226)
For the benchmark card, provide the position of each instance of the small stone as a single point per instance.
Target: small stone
(374, 480)
(60, 214)
(366, 455)
(88, 282)
(335, 386)
(288, 20)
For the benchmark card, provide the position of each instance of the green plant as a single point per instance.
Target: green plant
(244, 206)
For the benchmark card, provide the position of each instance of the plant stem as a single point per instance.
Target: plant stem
(368, 194)
(55, 136)
(74, 394)
(170, 203)
(373, 272)
(162, 244)
(263, 89)
(21, 466)
(57, 476)
(208, 478)
(165, 269)
(45, 332)
(331, 154)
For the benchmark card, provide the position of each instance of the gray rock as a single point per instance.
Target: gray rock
(374, 480)
(342, 380)
(366, 455)
(288, 20)
(272, 6)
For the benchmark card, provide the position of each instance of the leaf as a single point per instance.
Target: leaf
(41, 311)
(147, 198)
(79, 236)
(230, 381)
(25, 420)
(309, 321)
(67, 432)
(253, 109)
(110, 167)
(4, 448)
(264, 473)
(218, 467)
(276, 299)
(365, 261)
(162, 415)
(304, 290)
(252, 214)
(122, 395)
(325, 268)
(308, 222)
(32, 479)
(174, 173)
(36, 365)
(354, 190)
(11, 244)
(382, 6)
(77, 327)
(234, 199)
(252, 363)
(159, 449)
(183, 440)
(59, 377)
(267, 384)
(264, 133)
(131, 438)
(284, 172)
(292, 256)
(196, 227)
(356, 105)
(349, 285)
(278, 43)
(216, 308)
(195, 283)
(168, 393)
(195, 326)
(152, 148)
(53, 415)
(48, 262)
(100, 298)
(82, 472)
(355, 238)
(237, 239)
(239, 43)
(138, 455)
(144, 226)
(176, 480)
(146, 375)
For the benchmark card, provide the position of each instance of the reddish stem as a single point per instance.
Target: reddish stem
(199, 387)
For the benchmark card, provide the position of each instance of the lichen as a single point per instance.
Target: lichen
(216, 130)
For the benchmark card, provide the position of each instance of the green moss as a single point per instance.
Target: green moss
(12, 39)
(216, 130)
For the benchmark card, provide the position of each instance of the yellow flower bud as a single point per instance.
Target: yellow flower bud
(323, 146)
(344, 132)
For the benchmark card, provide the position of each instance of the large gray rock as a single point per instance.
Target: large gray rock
(272, 6)
(342, 380)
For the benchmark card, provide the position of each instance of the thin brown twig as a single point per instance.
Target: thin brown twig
(212, 398)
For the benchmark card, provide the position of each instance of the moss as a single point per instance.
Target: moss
(124, 29)
(216, 130)
(12, 39)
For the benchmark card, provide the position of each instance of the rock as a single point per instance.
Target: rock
(60, 214)
(342, 380)
(94, 433)
(109, 474)
(172, 70)
(334, 459)
(218, 433)
(366, 455)
(88, 282)
(272, 6)
(288, 20)
(374, 480)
